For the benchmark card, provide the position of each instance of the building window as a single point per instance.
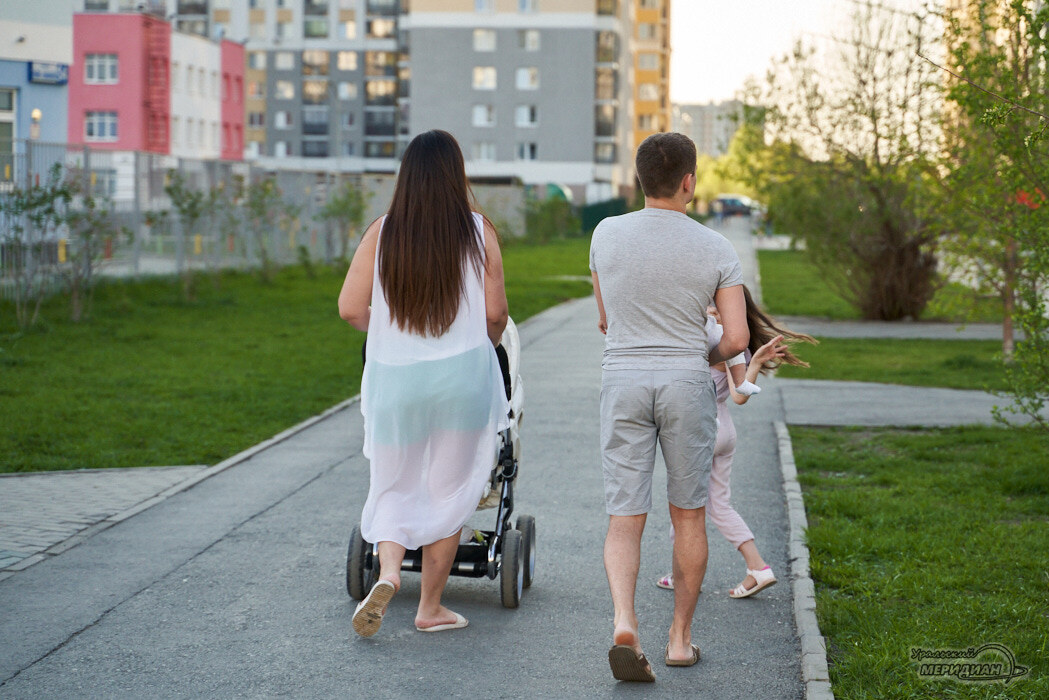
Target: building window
(484, 5)
(314, 149)
(100, 68)
(527, 151)
(650, 4)
(484, 150)
(527, 78)
(257, 30)
(379, 123)
(238, 89)
(648, 92)
(608, 7)
(528, 39)
(280, 149)
(607, 47)
(380, 92)
(257, 119)
(646, 30)
(315, 91)
(380, 63)
(484, 40)
(283, 30)
(347, 60)
(174, 75)
(282, 120)
(526, 116)
(648, 61)
(315, 29)
(284, 90)
(176, 124)
(484, 115)
(315, 7)
(348, 120)
(348, 29)
(349, 149)
(315, 121)
(379, 149)
(257, 60)
(527, 5)
(604, 120)
(104, 182)
(484, 78)
(381, 28)
(284, 60)
(647, 122)
(606, 84)
(315, 62)
(604, 153)
(100, 126)
(256, 90)
(347, 91)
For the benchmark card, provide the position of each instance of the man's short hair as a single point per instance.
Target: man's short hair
(662, 161)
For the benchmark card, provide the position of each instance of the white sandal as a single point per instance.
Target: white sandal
(763, 577)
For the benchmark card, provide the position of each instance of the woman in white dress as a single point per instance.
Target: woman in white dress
(426, 283)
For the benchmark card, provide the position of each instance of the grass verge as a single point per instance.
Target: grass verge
(955, 364)
(792, 286)
(933, 539)
(152, 380)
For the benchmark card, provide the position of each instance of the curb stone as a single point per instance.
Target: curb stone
(814, 671)
(188, 483)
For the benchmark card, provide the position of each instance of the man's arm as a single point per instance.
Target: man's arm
(602, 321)
(732, 307)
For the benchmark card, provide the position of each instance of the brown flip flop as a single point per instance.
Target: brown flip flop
(681, 662)
(629, 665)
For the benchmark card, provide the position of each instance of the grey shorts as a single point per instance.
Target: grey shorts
(638, 407)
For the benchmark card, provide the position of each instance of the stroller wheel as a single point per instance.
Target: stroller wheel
(511, 575)
(526, 524)
(359, 578)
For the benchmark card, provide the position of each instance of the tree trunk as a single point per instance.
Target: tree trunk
(1009, 300)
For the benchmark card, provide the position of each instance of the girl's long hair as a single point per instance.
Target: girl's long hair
(429, 239)
(763, 329)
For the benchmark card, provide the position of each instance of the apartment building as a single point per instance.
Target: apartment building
(652, 109)
(535, 90)
(538, 90)
(136, 85)
(710, 125)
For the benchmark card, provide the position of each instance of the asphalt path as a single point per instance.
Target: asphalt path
(235, 587)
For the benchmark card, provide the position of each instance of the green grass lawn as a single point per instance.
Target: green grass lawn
(151, 380)
(792, 286)
(955, 364)
(934, 539)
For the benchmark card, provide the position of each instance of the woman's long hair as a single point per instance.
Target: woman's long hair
(429, 239)
(763, 329)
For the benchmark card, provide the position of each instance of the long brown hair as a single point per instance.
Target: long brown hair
(763, 329)
(429, 239)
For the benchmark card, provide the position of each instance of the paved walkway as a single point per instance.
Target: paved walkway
(234, 587)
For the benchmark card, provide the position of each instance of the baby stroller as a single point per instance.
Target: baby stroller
(506, 552)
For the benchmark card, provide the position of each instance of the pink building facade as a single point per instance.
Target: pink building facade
(232, 100)
(121, 86)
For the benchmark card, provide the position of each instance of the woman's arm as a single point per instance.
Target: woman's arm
(494, 287)
(769, 351)
(356, 296)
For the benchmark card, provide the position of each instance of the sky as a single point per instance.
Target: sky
(716, 44)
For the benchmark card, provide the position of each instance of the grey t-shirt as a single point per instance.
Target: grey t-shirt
(658, 270)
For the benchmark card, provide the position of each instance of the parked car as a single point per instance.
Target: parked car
(734, 204)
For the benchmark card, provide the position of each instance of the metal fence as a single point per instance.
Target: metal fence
(144, 235)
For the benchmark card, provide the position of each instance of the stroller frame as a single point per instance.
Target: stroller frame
(505, 551)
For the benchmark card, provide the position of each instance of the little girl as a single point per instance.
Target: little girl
(735, 378)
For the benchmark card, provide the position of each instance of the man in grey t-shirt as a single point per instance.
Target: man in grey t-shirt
(655, 272)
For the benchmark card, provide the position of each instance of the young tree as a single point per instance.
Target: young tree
(191, 205)
(89, 222)
(998, 162)
(263, 205)
(33, 217)
(847, 170)
(345, 209)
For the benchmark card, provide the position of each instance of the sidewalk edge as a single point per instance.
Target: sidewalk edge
(184, 485)
(814, 671)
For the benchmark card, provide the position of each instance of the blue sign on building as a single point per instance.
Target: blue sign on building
(48, 73)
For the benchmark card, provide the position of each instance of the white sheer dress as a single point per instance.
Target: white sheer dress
(432, 410)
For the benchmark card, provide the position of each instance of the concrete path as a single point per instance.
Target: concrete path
(235, 587)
